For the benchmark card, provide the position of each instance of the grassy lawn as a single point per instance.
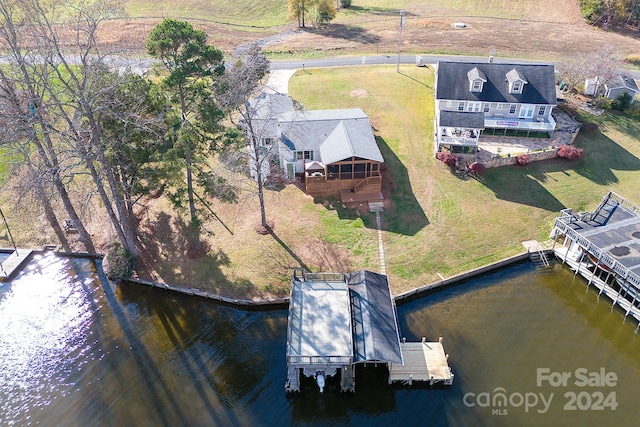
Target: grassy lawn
(262, 13)
(441, 223)
(436, 223)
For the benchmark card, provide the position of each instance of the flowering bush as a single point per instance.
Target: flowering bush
(447, 158)
(477, 168)
(523, 159)
(570, 152)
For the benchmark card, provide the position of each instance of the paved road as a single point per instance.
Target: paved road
(384, 59)
(393, 59)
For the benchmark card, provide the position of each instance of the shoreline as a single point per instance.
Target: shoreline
(282, 303)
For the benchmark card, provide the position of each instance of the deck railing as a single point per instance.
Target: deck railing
(371, 180)
(305, 276)
(319, 360)
(601, 255)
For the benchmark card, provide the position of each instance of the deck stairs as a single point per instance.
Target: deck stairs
(362, 185)
(605, 210)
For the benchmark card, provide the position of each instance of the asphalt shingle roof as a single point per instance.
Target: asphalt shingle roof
(337, 134)
(462, 119)
(453, 82)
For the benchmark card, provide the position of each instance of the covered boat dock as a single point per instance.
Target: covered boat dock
(604, 247)
(340, 320)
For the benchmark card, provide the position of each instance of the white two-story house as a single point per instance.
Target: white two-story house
(472, 98)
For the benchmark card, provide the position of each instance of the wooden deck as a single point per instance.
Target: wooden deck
(423, 361)
(11, 264)
(348, 196)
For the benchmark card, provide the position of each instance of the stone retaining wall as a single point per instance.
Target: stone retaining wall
(496, 162)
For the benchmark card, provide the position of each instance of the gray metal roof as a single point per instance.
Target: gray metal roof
(336, 134)
(462, 119)
(319, 320)
(453, 82)
(375, 327)
(342, 317)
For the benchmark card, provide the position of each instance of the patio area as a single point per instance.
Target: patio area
(493, 146)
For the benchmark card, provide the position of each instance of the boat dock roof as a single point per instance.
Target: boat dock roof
(375, 329)
(611, 232)
(319, 320)
(342, 319)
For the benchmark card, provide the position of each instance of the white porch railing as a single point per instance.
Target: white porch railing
(520, 124)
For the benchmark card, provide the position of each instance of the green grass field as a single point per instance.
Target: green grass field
(443, 223)
(268, 13)
(262, 13)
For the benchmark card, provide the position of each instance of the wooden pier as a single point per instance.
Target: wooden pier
(423, 361)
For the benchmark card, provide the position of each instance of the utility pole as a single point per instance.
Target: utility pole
(400, 38)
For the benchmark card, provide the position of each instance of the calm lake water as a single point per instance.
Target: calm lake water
(77, 350)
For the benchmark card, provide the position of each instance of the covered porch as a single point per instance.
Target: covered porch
(459, 132)
(355, 175)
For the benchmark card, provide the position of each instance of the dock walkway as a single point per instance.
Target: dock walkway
(423, 361)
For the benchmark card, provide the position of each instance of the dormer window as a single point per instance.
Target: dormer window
(476, 79)
(516, 81)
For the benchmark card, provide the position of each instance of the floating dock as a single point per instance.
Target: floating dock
(423, 361)
(340, 320)
(604, 247)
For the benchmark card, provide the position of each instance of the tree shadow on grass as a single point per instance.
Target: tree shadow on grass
(164, 256)
(346, 32)
(603, 156)
(516, 184)
(523, 185)
(405, 215)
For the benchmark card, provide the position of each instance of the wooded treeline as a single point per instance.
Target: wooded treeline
(612, 14)
(68, 119)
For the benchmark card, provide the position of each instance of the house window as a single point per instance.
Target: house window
(461, 106)
(304, 155)
(517, 87)
(477, 86)
(542, 109)
(499, 107)
(268, 141)
(486, 107)
(512, 109)
(474, 106)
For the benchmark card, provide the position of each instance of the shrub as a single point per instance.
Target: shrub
(345, 3)
(634, 110)
(118, 263)
(477, 168)
(604, 103)
(570, 152)
(622, 102)
(447, 158)
(523, 159)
